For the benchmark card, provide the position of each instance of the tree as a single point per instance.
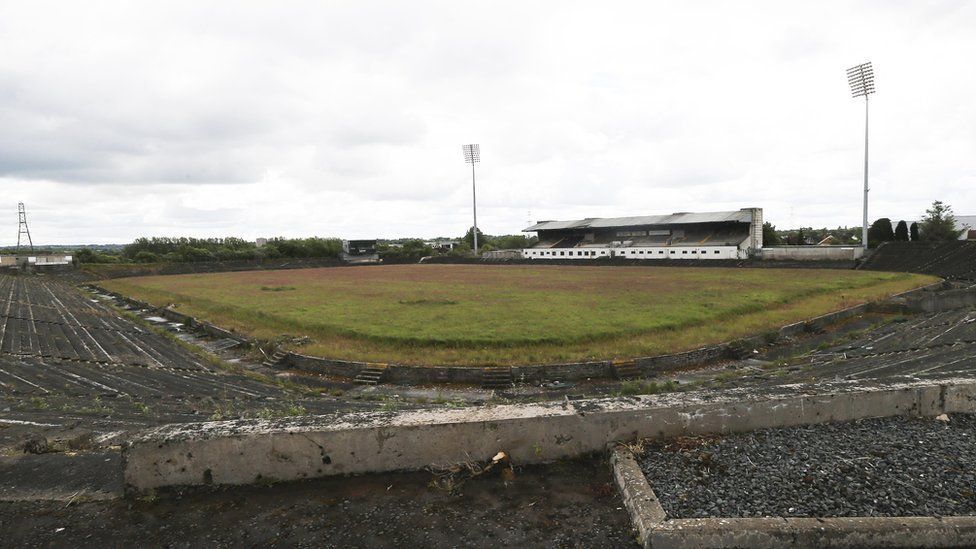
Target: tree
(801, 237)
(880, 231)
(913, 230)
(146, 257)
(938, 224)
(85, 255)
(410, 250)
(901, 231)
(770, 238)
(469, 238)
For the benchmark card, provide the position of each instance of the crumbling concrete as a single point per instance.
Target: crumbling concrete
(240, 452)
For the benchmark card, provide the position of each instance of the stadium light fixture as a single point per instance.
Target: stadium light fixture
(861, 79)
(472, 155)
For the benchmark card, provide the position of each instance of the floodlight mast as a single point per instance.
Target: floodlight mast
(472, 155)
(861, 80)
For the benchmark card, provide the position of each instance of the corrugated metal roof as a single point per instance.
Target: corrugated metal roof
(683, 218)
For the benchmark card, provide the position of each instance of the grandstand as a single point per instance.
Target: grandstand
(711, 235)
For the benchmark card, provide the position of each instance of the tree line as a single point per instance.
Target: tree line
(937, 225)
(187, 249)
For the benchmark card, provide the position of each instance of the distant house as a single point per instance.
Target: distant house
(442, 244)
(261, 242)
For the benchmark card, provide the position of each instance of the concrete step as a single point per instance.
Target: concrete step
(626, 370)
(496, 377)
(276, 359)
(370, 375)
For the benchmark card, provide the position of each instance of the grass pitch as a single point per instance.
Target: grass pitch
(500, 314)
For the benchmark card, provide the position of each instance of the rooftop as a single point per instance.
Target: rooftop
(680, 218)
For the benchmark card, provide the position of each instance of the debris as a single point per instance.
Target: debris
(450, 478)
(36, 444)
(943, 418)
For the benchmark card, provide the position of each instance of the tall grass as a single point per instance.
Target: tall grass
(497, 315)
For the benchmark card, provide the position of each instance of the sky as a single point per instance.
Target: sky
(251, 119)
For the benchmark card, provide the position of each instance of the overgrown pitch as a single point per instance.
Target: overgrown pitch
(496, 314)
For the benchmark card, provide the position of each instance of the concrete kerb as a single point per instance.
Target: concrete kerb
(244, 451)
(655, 530)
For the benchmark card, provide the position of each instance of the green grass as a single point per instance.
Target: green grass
(474, 315)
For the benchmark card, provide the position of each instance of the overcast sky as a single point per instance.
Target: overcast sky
(124, 119)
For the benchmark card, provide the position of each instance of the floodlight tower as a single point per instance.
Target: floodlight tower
(472, 155)
(861, 79)
(22, 228)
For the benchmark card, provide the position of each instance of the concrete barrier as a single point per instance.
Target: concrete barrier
(245, 451)
(811, 253)
(853, 532)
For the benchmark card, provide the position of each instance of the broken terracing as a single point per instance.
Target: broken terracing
(75, 370)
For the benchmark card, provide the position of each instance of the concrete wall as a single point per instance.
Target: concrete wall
(245, 451)
(812, 253)
(755, 242)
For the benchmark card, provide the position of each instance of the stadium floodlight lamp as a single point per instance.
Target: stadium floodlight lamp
(861, 79)
(472, 155)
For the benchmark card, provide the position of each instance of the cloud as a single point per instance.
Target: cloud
(125, 119)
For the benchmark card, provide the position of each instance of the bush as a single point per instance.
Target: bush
(146, 257)
(901, 231)
(880, 231)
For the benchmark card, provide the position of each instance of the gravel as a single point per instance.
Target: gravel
(896, 466)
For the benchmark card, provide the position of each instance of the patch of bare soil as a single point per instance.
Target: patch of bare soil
(569, 504)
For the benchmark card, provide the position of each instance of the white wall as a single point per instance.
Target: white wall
(660, 252)
(813, 253)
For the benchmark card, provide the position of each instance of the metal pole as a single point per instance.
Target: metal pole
(864, 231)
(474, 204)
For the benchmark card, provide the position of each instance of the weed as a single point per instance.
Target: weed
(223, 411)
(149, 497)
(390, 406)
